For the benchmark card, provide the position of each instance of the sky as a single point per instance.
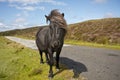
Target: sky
(19, 14)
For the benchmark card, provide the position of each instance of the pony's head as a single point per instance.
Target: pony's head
(58, 27)
(54, 15)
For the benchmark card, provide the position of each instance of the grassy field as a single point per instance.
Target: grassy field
(20, 63)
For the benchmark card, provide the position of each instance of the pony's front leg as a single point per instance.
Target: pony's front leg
(50, 64)
(57, 59)
(47, 60)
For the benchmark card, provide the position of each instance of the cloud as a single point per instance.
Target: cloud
(28, 8)
(55, 2)
(20, 20)
(18, 15)
(25, 2)
(31, 2)
(108, 15)
(19, 26)
(99, 1)
(18, 23)
(31, 5)
(2, 25)
(2, 0)
(22, 14)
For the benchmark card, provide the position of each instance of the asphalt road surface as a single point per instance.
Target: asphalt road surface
(92, 63)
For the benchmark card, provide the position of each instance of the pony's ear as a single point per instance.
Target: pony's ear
(47, 18)
(63, 14)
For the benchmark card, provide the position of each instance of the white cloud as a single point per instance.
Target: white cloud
(18, 15)
(28, 8)
(18, 26)
(4, 27)
(30, 2)
(40, 7)
(2, 0)
(2, 24)
(55, 2)
(22, 14)
(99, 1)
(108, 15)
(20, 20)
(24, 2)
(18, 23)
(31, 5)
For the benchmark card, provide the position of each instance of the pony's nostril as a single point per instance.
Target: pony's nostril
(58, 42)
(55, 43)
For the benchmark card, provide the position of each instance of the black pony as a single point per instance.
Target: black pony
(50, 39)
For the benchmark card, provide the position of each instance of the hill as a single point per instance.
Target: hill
(104, 31)
(25, 33)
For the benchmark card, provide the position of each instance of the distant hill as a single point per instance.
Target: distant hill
(25, 33)
(105, 31)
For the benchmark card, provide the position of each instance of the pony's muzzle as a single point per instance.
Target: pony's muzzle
(56, 43)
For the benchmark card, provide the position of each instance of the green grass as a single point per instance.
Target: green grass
(20, 63)
(82, 43)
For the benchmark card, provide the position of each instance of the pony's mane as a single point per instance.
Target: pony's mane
(57, 17)
(55, 13)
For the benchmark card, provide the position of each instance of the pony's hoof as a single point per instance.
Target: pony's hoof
(50, 76)
(58, 69)
(41, 62)
(47, 62)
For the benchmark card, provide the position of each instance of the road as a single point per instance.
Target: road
(92, 63)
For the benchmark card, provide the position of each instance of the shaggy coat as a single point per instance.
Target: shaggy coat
(50, 39)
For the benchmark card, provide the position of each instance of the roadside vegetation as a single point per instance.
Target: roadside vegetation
(92, 44)
(20, 63)
(101, 31)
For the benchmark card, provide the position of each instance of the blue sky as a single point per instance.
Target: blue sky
(18, 14)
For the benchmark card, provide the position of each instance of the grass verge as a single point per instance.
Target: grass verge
(81, 43)
(20, 63)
